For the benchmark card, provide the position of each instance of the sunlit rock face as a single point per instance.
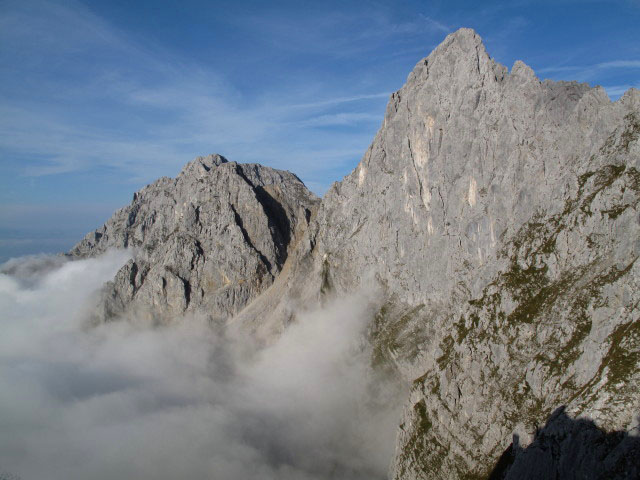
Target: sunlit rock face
(496, 215)
(495, 219)
(207, 241)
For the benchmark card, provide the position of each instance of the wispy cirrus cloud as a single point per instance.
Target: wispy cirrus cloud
(591, 69)
(342, 119)
(146, 111)
(619, 64)
(339, 100)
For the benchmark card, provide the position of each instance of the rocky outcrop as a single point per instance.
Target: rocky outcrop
(497, 215)
(208, 241)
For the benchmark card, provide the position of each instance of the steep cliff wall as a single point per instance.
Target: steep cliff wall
(496, 215)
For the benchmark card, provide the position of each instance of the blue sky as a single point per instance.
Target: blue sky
(98, 98)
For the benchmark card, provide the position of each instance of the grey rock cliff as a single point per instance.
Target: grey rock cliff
(208, 241)
(497, 214)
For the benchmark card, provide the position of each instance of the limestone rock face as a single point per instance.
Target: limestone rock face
(497, 217)
(209, 240)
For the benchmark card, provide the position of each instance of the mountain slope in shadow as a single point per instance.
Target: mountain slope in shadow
(567, 448)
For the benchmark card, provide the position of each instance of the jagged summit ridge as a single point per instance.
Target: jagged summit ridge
(496, 213)
(207, 241)
(463, 56)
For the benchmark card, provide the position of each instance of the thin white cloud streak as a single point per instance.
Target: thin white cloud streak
(339, 100)
(203, 123)
(125, 400)
(55, 148)
(620, 64)
(438, 26)
(591, 69)
(65, 148)
(339, 119)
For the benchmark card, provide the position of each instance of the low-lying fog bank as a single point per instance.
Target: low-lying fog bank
(126, 400)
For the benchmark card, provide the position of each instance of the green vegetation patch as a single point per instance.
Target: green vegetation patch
(632, 132)
(447, 346)
(393, 332)
(623, 356)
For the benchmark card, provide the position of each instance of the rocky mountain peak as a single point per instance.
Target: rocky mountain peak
(524, 71)
(202, 165)
(631, 98)
(497, 215)
(207, 241)
(462, 58)
(463, 41)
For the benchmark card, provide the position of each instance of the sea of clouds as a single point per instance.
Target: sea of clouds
(129, 400)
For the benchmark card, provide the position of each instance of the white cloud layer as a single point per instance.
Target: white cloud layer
(125, 400)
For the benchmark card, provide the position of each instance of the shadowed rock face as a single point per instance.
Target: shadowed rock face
(495, 215)
(209, 240)
(571, 448)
